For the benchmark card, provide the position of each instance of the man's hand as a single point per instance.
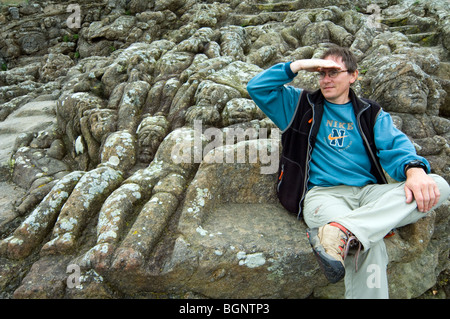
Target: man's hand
(314, 65)
(422, 188)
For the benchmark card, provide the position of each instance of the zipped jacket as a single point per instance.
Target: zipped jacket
(298, 142)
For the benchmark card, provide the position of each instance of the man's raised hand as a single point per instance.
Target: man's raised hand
(313, 65)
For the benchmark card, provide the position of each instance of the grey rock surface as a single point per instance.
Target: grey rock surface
(130, 150)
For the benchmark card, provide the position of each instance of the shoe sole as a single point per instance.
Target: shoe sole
(332, 268)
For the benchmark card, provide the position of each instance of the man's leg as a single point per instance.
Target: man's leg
(365, 273)
(384, 207)
(369, 213)
(376, 209)
(323, 204)
(328, 241)
(369, 280)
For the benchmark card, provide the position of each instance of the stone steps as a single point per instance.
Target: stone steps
(31, 117)
(426, 39)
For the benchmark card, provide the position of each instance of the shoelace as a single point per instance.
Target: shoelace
(349, 242)
(352, 242)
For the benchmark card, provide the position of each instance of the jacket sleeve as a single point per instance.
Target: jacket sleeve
(272, 96)
(395, 150)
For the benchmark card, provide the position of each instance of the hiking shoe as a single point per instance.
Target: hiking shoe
(331, 244)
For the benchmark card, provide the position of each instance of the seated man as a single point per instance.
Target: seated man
(335, 147)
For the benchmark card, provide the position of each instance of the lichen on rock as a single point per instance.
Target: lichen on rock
(142, 159)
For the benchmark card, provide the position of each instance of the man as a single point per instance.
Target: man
(335, 147)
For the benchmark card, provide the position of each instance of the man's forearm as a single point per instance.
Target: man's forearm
(313, 65)
(296, 66)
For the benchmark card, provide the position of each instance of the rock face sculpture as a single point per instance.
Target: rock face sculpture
(153, 172)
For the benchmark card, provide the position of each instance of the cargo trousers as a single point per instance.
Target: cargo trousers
(370, 213)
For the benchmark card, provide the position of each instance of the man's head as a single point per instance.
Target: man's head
(346, 56)
(335, 84)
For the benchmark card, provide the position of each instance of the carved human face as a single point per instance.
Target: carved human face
(407, 94)
(102, 122)
(336, 89)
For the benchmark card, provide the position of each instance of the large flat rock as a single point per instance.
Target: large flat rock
(249, 251)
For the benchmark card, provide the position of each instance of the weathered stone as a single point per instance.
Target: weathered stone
(239, 111)
(115, 211)
(151, 131)
(38, 224)
(236, 75)
(119, 151)
(85, 200)
(159, 175)
(130, 107)
(53, 274)
(32, 43)
(55, 66)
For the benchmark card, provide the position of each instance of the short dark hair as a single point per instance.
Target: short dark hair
(347, 56)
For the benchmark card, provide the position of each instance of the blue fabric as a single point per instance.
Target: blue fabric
(269, 92)
(339, 154)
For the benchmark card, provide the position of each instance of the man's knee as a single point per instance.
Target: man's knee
(444, 188)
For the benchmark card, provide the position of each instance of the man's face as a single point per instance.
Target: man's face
(336, 89)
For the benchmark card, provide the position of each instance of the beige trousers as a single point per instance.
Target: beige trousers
(369, 212)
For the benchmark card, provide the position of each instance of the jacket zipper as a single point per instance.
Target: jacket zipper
(280, 178)
(374, 159)
(308, 160)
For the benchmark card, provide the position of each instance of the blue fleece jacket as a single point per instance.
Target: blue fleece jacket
(339, 156)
